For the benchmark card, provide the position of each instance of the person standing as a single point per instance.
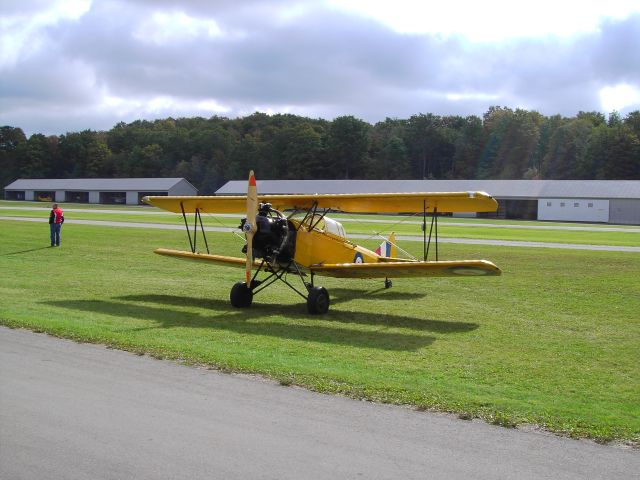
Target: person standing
(56, 219)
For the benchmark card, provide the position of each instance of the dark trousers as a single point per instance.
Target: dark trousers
(55, 233)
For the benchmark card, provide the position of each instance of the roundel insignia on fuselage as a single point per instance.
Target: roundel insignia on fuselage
(358, 258)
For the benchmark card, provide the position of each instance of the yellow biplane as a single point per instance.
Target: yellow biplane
(306, 242)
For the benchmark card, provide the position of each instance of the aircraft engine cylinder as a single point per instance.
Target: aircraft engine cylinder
(274, 239)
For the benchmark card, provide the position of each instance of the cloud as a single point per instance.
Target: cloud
(619, 97)
(120, 61)
(490, 20)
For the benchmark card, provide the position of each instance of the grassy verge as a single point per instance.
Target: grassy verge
(553, 342)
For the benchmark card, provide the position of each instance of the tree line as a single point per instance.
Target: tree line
(503, 144)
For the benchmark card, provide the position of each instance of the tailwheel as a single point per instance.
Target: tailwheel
(387, 283)
(318, 301)
(241, 295)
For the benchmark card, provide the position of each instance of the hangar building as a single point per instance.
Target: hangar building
(127, 191)
(606, 201)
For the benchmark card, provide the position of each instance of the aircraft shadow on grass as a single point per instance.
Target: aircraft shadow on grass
(243, 321)
(341, 295)
(298, 311)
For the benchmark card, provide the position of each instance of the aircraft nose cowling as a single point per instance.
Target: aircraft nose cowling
(273, 239)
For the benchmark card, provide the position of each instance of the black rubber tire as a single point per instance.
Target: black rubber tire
(241, 296)
(318, 301)
(388, 283)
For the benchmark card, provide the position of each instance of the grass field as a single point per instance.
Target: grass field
(554, 342)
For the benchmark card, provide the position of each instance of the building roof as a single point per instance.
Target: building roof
(101, 184)
(525, 189)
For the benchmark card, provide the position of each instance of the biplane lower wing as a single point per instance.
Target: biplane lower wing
(205, 257)
(408, 269)
(384, 269)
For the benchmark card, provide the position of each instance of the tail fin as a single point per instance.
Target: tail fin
(393, 250)
(388, 247)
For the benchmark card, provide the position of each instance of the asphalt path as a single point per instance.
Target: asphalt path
(81, 411)
(409, 238)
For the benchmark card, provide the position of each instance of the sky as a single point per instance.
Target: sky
(72, 65)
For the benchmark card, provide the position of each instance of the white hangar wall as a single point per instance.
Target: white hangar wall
(96, 190)
(612, 201)
(183, 187)
(625, 211)
(573, 209)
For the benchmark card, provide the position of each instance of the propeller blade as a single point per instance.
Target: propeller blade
(249, 258)
(250, 224)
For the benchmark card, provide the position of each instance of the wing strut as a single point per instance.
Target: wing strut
(196, 218)
(310, 215)
(434, 221)
(424, 231)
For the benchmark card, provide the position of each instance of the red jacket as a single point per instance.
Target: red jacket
(59, 217)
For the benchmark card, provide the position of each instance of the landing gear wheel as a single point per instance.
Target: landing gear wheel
(318, 301)
(388, 283)
(241, 296)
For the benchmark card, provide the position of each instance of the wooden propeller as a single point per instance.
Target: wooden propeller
(250, 226)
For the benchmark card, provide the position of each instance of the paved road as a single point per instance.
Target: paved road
(409, 238)
(79, 411)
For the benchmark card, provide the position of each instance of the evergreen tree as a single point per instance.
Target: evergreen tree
(10, 139)
(504, 143)
(347, 144)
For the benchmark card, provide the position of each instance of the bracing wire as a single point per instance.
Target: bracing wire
(217, 219)
(361, 223)
(391, 228)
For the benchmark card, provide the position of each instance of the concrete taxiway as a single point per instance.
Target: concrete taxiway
(78, 411)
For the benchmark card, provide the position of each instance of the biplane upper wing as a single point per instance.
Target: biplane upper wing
(350, 202)
(408, 269)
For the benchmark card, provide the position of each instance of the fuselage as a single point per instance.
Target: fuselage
(318, 246)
